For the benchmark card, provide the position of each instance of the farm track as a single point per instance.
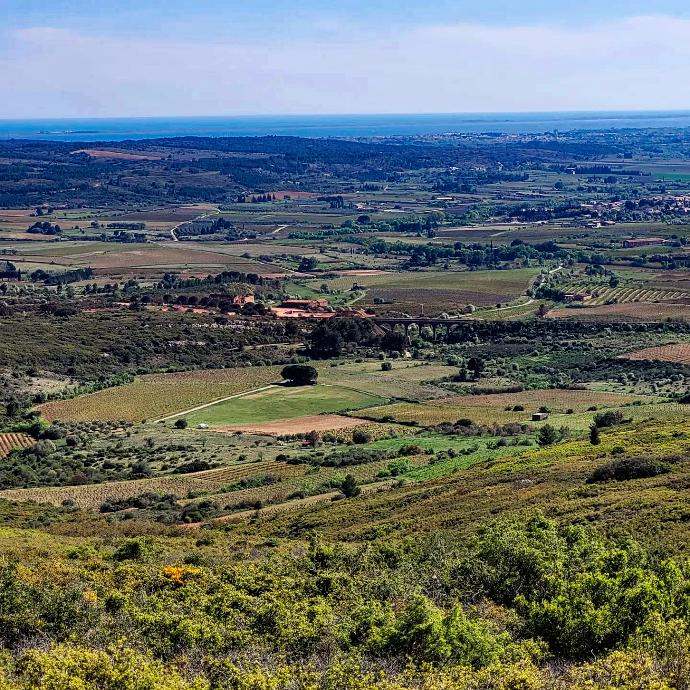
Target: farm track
(215, 402)
(512, 306)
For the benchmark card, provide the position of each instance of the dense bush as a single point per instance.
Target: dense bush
(628, 468)
(436, 612)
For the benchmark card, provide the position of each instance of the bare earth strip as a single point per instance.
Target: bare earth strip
(300, 425)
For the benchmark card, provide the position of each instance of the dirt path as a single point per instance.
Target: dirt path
(512, 306)
(278, 229)
(214, 402)
(175, 238)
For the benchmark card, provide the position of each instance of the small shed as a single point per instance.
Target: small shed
(540, 416)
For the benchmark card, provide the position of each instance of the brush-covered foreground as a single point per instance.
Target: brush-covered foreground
(562, 567)
(522, 604)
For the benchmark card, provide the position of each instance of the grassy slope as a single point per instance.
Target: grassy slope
(553, 480)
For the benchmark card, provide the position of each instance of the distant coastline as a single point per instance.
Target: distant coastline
(120, 129)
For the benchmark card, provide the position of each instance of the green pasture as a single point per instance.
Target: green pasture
(284, 402)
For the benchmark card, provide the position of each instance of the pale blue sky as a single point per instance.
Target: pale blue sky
(61, 58)
(180, 17)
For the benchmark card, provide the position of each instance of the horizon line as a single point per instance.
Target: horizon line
(346, 114)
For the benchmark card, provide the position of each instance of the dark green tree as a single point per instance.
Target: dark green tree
(547, 435)
(349, 487)
(594, 435)
(300, 374)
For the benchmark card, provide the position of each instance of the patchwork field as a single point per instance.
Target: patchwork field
(11, 441)
(172, 214)
(158, 395)
(434, 292)
(634, 294)
(93, 495)
(407, 380)
(131, 259)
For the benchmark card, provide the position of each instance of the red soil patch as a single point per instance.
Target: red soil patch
(11, 441)
(285, 313)
(301, 425)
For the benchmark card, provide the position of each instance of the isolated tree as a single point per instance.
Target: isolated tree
(594, 435)
(547, 435)
(181, 423)
(307, 264)
(300, 374)
(476, 366)
(349, 487)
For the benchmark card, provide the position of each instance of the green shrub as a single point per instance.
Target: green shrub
(628, 468)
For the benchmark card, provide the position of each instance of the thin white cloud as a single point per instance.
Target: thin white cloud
(636, 63)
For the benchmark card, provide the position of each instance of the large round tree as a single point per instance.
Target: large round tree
(300, 374)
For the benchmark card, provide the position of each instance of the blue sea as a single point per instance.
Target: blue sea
(120, 129)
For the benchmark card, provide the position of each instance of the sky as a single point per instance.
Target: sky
(138, 58)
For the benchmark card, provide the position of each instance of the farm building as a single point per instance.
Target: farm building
(241, 300)
(238, 300)
(577, 297)
(540, 416)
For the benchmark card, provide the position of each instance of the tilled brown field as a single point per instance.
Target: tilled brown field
(12, 441)
(625, 312)
(678, 353)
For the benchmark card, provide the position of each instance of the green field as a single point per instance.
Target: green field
(284, 403)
